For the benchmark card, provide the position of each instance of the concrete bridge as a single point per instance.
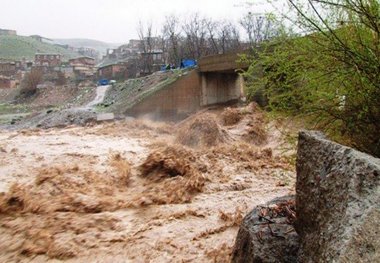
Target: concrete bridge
(219, 80)
(215, 81)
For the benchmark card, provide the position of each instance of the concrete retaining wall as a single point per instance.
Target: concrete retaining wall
(175, 101)
(188, 94)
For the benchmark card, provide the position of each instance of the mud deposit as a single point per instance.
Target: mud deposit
(136, 191)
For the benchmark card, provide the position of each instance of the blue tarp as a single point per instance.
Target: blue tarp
(185, 63)
(103, 82)
(188, 63)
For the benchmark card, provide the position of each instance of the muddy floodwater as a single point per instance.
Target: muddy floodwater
(137, 191)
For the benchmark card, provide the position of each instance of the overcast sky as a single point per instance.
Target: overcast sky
(112, 21)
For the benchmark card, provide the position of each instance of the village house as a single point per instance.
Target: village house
(83, 67)
(110, 54)
(7, 32)
(8, 82)
(134, 43)
(137, 58)
(83, 61)
(8, 68)
(47, 60)
(5, 82)
(88, 52)
(25, 64)
(126, 51)
(82, 72)
(113, 71)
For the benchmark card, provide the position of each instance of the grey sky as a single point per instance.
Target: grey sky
(106, 20)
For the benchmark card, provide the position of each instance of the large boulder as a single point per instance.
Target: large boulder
(267, 234)
(338, 202)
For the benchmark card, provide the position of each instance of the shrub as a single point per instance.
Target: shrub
(330, 75)
(30, 82)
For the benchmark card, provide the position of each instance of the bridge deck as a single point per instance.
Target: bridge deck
(221, 63)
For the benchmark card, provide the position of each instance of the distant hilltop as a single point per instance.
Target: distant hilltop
(7, 32)
(99, 46)
(14, 47)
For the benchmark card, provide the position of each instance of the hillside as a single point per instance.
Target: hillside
(17, 47)
(82, 42)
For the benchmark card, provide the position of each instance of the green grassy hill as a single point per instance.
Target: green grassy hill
(17, 47)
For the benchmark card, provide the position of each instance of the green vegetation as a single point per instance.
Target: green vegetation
(331, 76)
(11, 113)
(18, 47)
(6, 108)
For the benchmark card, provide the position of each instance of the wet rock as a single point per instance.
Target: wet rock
(338, 202)
(267, 235)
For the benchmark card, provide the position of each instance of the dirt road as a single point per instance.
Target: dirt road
(100, 94)
(117, 193)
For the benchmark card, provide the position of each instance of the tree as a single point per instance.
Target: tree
(258, 27)
(195, 30)
(171, 36)
(331, 74)
(229, 37)
(212, 28)
(30, 82)
(146, 46)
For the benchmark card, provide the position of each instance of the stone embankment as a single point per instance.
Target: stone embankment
(337, 204)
